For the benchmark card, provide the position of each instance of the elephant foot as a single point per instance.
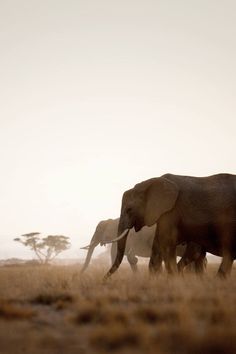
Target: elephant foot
(199, 271)
(171, 268)
(226, 266)
(154, 271)
(221, 274)
(133, 262)
(180, 268)
(134, 268)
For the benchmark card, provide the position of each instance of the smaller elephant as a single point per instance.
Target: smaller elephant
(139, 244)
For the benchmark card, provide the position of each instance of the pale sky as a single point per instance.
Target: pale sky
(98, 95)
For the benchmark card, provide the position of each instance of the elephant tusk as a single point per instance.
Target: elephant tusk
(119, 237)
(85, 247)
(88, 247)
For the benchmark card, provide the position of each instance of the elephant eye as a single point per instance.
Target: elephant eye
(129, 210)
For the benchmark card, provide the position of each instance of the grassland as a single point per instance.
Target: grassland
(55, 310)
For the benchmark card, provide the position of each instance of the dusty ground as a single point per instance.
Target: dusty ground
(55, 310)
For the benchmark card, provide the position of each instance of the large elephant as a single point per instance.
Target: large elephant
(138, 244)
(185, 209)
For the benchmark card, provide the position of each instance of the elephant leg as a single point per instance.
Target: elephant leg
(193, 253)
(226, 265)
(169, 256)
(155, 263)
(183, 263)
(168, 249)
(132, 261)
(200, 263)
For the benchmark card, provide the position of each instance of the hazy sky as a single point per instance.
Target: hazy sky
(98, 95)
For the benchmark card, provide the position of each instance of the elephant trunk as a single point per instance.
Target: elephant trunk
(121, 243)
(89, 255)
(124, 224)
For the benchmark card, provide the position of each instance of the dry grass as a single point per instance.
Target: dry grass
(55, 310)
(9, 311)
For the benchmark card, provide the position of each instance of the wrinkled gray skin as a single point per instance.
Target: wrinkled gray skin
(187, 209)
(138, 244)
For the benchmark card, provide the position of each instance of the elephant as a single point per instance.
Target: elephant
(138, 244)
(200, 210)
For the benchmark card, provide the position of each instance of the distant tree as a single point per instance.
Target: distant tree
(45, 248)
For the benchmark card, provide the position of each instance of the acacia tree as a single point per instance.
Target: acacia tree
(45, 248)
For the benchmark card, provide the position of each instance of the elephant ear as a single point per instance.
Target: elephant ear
(161, 196)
